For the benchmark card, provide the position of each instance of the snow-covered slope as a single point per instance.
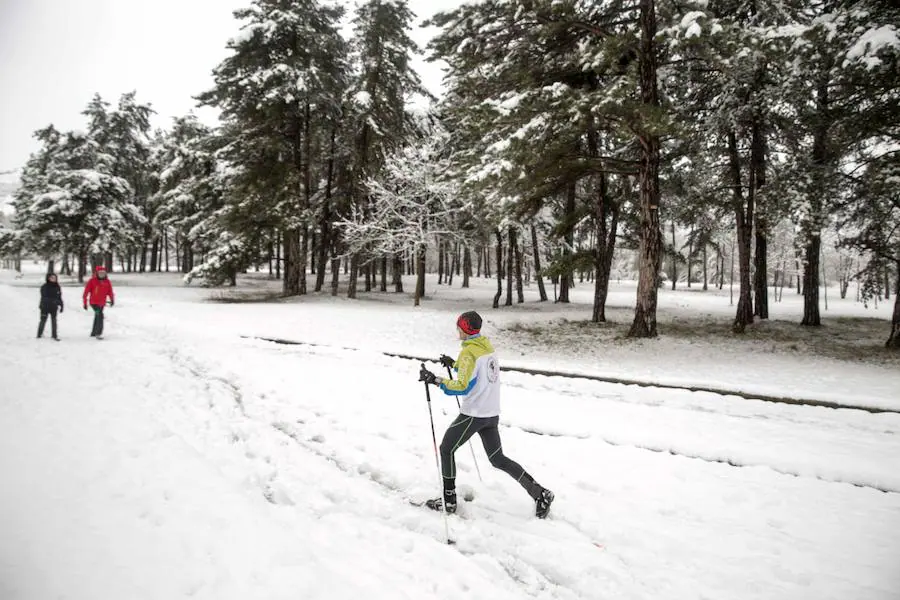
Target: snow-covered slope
(175, 460)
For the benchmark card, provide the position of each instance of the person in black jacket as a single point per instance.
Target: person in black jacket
(51, 301)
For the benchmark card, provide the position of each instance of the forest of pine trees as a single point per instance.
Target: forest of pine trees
(673, 143)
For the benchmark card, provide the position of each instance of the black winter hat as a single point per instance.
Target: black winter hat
(469, 322)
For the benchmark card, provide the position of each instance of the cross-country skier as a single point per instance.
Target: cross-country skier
(478, 384)
(96, 291)
(51, 301)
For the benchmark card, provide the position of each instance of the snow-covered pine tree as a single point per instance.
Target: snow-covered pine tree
(278, 93)
(840, 95)
(534, 98)
(71, 200)
(123, 135)
(379, 121)
(190, 197)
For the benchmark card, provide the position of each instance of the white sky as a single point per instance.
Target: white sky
(55, 54)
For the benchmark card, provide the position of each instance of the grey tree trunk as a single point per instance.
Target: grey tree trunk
(539, 277)
(674, 258)
(467, 266)
(605, 248)
(354, 275)
(397, 273)
(812, 229)
(420, 274)
(811, 315)
(650, 249)
(744, 220)
(499, 293)
(510, 253)
(757, 182)
(893, 341)
(292, 265)
(520, 294)
(566, 279)
(335, 275)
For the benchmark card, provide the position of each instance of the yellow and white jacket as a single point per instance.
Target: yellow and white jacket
(477, 380)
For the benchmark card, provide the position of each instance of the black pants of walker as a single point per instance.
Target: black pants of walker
(460, 431)
(97, 329)
(44, 315)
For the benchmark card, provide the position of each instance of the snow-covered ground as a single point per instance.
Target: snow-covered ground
(179, 459)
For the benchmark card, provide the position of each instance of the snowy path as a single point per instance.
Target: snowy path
(161, 464)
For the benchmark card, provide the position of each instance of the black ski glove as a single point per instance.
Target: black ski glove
(447, 361)
(428, 377)
(61, 308)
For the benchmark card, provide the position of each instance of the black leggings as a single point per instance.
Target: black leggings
(44, 314)
(459, 432)
(97, 329)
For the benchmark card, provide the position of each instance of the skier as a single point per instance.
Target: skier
(51, 300)
(96, 291)
(478, 383)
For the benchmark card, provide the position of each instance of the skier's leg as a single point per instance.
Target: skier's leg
(53, 323)
(460, 430)
(100, 330)
(490, 437)
(42, 323)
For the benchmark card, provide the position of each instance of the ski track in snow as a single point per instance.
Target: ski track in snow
(156, 464)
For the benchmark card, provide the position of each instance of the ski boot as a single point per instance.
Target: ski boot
(449, 500)
(542, 503)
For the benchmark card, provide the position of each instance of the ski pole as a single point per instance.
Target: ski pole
(471, 447)
(437, 462)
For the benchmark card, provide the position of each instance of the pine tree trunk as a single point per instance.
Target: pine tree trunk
(893, 341)
(480, 256)
(650, 251)
(451, 256)
(335, 275)
(487, 261)
(499, 293)
(440, 262)
(520, 294)
(397, 273)
(467, 266)
(354, 275)
(303, 258)
(705, 267)
(811, 316)
(605, 248)
(812, 229)
(325, 218)
(744, 220)
(757, 182)
(566, 279)
(887, 283)
(674, 258)
(383, 286)
(511, 239)
(690, 258)
(278, 261)
(539, 277)
(420, 274)
(292, 265)
(154, 255)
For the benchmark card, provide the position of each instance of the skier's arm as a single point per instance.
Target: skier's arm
(87, 291)
(112, 296)
(465, 366)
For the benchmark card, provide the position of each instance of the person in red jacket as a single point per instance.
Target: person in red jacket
(97, 290)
